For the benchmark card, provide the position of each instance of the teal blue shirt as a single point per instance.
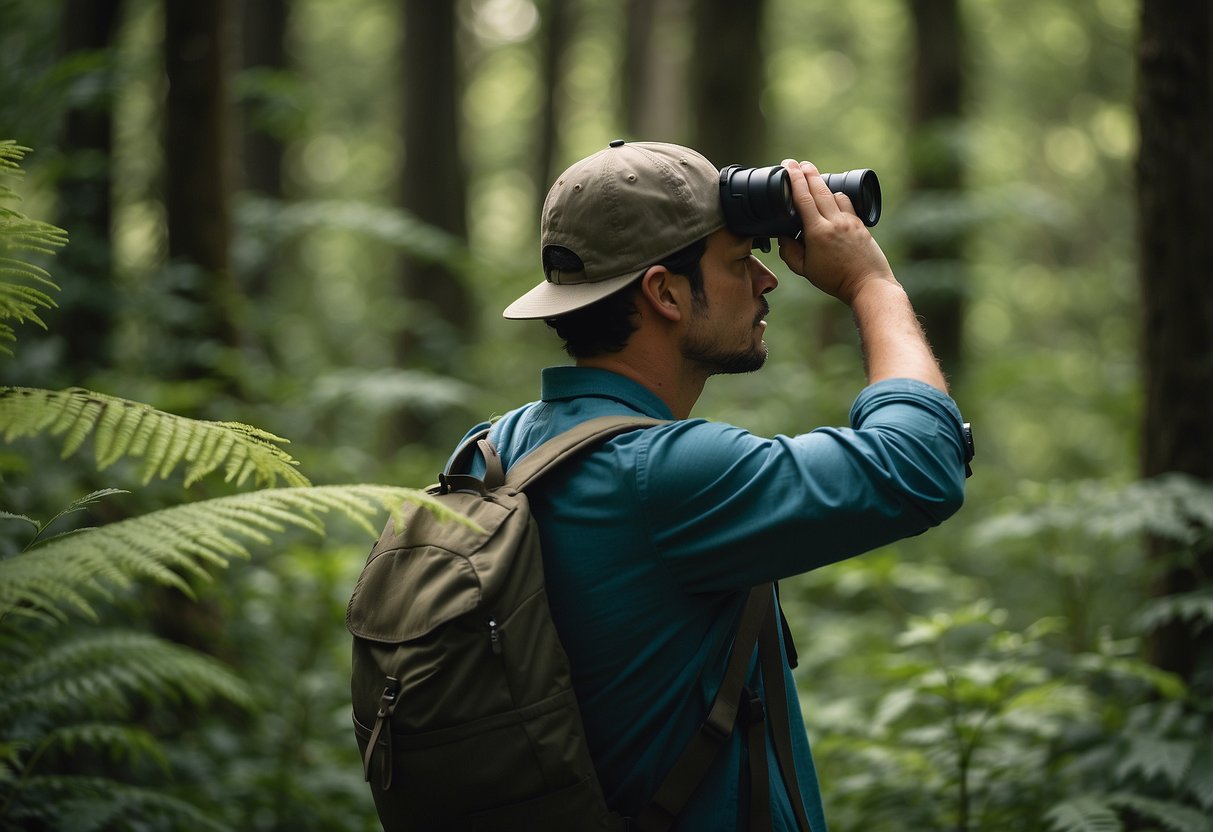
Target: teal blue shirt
(651, 541)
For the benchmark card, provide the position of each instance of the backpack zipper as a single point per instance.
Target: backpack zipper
(387, 705)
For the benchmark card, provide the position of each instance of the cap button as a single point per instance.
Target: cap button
(618, 143)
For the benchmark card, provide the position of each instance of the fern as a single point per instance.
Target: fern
(399, 229)
(69, 803)
(110, 673)
(1083, 814)
(123, 428)
(76, 693)
(169, 545)
(1166, 814)
(120, 742)
(23, 286)
(1193, 608)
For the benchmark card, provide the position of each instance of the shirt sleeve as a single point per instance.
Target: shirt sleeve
(728, 510)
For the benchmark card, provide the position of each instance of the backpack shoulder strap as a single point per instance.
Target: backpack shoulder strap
(585, 435)
(456, 476)
(705, 746)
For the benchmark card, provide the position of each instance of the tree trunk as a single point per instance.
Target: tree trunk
(937, 171)
(1174, 187)
(555, 33)
(727, 78)
(654, 71)
(434, 189)
(263, 28)
(197, 200)
(85, 268)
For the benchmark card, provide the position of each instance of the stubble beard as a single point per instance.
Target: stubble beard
(717, 360)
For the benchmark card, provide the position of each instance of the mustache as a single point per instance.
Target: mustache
(763, 309)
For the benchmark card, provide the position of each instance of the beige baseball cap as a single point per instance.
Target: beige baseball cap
(620, 211)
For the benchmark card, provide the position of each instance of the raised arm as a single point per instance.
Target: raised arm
(838, 255)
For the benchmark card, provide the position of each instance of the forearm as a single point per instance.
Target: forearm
(894, 345)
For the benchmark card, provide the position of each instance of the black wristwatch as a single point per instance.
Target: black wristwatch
(968, 434)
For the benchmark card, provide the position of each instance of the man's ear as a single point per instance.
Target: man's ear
(663, 292)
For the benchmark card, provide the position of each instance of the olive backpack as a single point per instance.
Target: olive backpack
(463, 705)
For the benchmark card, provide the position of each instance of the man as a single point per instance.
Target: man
(652, 540)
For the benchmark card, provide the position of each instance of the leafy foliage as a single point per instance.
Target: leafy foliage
(986, 724)
(1066, 727)
(173, 544)
(72, 701)
(123, 428)
(23, 285)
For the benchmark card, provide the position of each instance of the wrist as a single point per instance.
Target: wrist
(876, 290)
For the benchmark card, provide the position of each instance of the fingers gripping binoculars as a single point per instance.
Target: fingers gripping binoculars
(757, 202)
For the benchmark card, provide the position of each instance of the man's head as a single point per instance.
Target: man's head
(616, 213)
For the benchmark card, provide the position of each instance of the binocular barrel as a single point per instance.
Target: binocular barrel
(757, 202)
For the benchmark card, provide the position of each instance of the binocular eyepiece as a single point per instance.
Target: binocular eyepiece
(757, 202)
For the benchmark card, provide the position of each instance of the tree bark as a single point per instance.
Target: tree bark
(197, 179)
(87, 310)
(937, 170)
(433, 188)
(727, 78)
(263, 29)
(654, 71)
(1174, 187)
(555, 33)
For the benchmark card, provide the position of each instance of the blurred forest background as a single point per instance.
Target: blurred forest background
(307, 215)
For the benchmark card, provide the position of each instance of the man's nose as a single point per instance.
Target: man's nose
(764, 279)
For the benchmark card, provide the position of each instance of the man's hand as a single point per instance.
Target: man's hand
(837, 253)
(839, 256)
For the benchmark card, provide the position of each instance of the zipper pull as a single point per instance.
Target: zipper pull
(387, 705)
(494, 636)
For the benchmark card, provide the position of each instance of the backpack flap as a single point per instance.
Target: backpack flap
(427, 573)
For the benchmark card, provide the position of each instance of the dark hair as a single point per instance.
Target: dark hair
(606, 325)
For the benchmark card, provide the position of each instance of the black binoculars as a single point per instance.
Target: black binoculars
(757, 202)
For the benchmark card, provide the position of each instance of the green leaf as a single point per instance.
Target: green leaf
(1174, 817)
(167, 546)
(1083, 814)
(123, 428)
(1152, 756)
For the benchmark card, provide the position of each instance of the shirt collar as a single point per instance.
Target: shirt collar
(560, 383)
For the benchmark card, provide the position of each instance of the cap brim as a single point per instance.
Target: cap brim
(550, 300)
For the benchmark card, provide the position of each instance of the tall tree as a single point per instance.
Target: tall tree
(197, 179)
(263, 27)
(263, 55)
(433, 188)
(86, 317)
(1174, 183)
(654, 69)
(727, 77)
(553, 38)
(937, 170)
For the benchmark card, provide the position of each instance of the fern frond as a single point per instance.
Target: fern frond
(1193, 608)
(23, 286)
(1151, 756)
(1174, 817)
(73, 803)
(168, 545)
(123, 428)
(378, 222)
(1083, 814)
(119, 742)
(76, 505)
(110, 673)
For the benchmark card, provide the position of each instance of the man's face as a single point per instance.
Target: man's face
(725, 332)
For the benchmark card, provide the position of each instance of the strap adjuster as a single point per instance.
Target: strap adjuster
(752, 711)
